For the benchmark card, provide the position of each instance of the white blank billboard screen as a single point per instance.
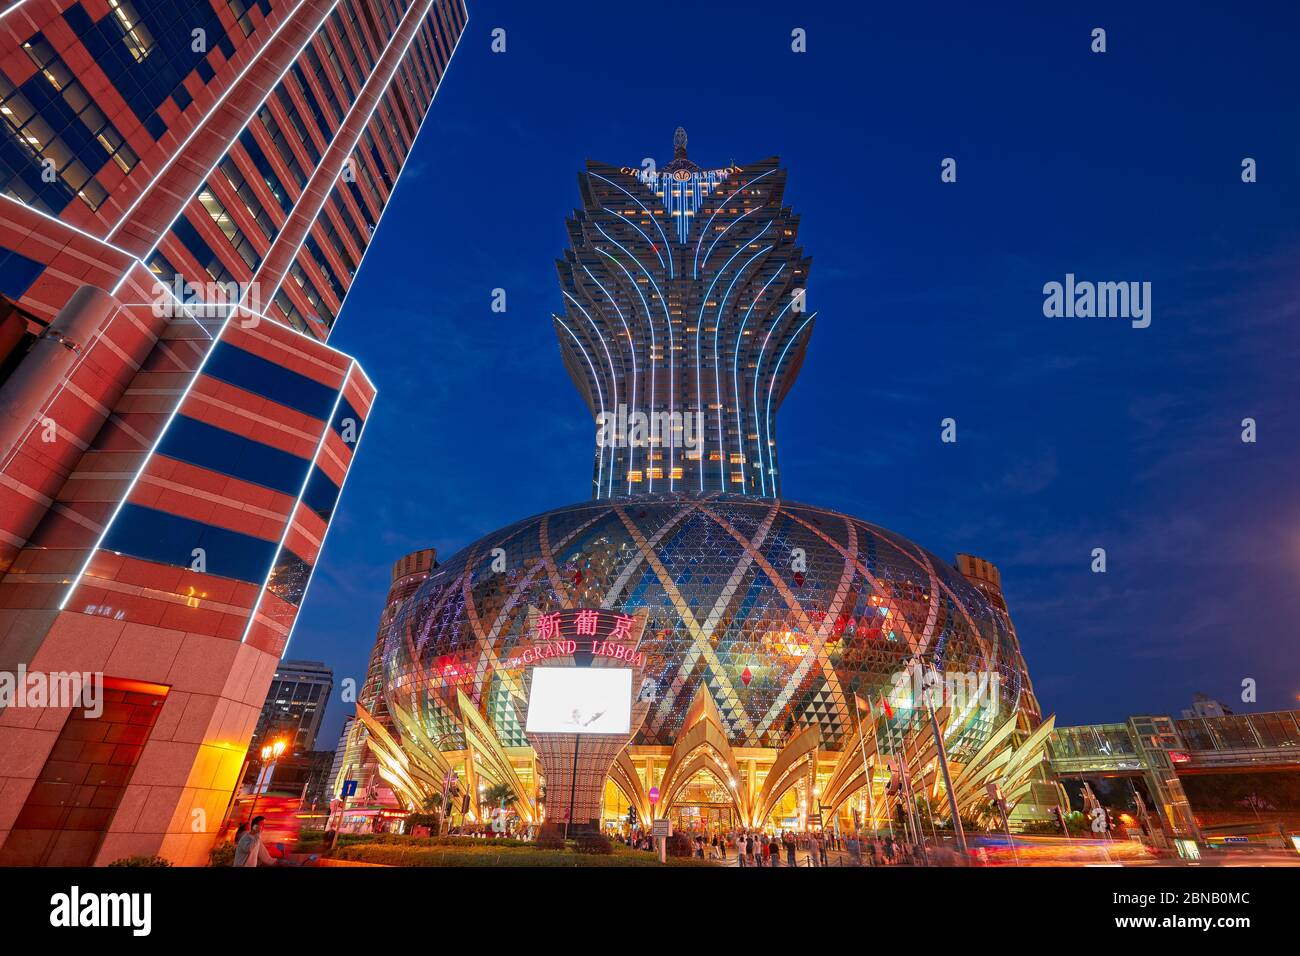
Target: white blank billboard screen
(580, 700)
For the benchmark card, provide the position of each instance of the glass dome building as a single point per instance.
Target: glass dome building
(782, 611)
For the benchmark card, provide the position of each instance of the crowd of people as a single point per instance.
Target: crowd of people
(759, 848)
(797, 848)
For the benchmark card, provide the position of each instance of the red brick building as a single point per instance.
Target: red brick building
(187, 189)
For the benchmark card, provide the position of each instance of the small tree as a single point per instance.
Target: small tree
(498, 794)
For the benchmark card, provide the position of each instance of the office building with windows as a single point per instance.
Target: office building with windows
(295, 705)
(187, 190)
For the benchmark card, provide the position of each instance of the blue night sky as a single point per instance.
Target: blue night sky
(1073, 434)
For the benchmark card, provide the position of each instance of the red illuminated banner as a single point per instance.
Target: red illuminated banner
(584, 622)
(597, 631)
(540, 652)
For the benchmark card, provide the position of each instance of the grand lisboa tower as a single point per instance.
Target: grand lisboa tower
(774, 633)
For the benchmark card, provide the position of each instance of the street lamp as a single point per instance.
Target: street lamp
(270, 754)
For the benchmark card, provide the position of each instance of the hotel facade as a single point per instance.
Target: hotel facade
(766, 637)
(187, 190)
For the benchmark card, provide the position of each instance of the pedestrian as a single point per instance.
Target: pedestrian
(822, 851)
(249, 850)
(788, 840)
(749, 849)
(774, 850)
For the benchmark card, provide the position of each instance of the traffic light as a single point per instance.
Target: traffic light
(631, 816)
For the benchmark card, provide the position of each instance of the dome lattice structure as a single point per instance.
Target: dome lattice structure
(777, 648)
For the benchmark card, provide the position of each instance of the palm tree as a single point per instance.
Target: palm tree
(499, 794)
(431, 807)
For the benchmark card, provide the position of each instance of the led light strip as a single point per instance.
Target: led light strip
(631, 348)
(721, 205)
(667, 245)
(8, 10)
(735, 369)
(180, 150)
(387, 86)
(77, 229)
(144, 462)
(663, 304)
(175, 411)
(717, 366)
(699, 325)
(293, 513)
(378, 222)
(722, 235)
(613, 384)
(772, 384)
(653, 247)
(758, 368)
(600, 452)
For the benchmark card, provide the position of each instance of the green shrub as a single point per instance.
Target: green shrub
(142, 861)
(594, 843)
(223, 854)
(487, 853)
(412, 842)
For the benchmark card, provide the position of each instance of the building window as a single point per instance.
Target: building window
(239, 10)
(248, 197)
(212, 205)
(78, 100)
(135, 34)
(50, 152)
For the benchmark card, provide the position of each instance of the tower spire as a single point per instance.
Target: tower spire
(679, 143)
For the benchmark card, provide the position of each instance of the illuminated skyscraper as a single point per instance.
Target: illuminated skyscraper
(684, 322)
(187, 190)
(774, 633)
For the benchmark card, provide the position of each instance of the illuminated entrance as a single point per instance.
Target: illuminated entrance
(703, 806)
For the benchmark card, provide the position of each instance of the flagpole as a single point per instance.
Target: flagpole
(889, 744)
(911, 802)
(866, 773)
(947, 780)
(943, 762)
(909, 796)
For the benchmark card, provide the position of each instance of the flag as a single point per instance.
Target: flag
(889, 711)
(862, 704)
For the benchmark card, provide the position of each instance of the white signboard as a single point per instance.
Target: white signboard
(661, 828)
(580, 700)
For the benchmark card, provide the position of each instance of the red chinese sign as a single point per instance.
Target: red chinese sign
(596, 631)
